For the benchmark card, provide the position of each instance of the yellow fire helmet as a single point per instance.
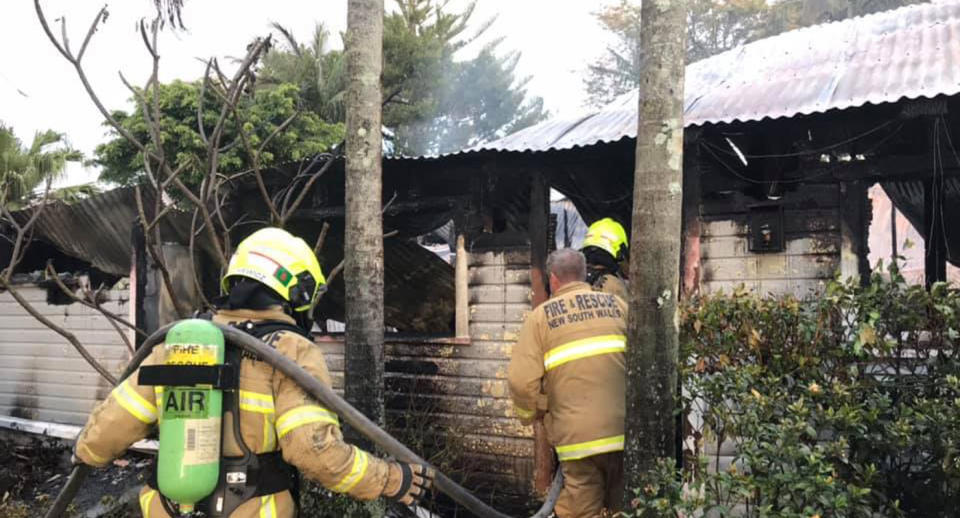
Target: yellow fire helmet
(282, 262)
(608, 235)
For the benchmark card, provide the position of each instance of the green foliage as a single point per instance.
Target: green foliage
(433, 101)
(713, 26)
(23, 170)
(320, 72)
(315, 500)
(618, 70)
(844, 406)
(260, 115)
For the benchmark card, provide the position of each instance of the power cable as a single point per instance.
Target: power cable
(820, 150)
(943, 182)
(762, 182)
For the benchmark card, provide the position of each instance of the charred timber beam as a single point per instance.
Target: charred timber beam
(544, 465)
(878, 169)
(395, 209)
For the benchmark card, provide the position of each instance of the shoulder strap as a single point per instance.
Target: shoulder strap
(594, 277)
(267, 327)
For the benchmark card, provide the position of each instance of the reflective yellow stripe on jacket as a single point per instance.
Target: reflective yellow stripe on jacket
(359, 469)
(590, 448)
(303, 415)
(158, 396)
(134, 403)
(523, 413)
(262, 404)
(268, 506)
(256, 402)
(145, 500)
(578, 349)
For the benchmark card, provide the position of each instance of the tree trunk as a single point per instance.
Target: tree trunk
(655, 243)
(363, 248)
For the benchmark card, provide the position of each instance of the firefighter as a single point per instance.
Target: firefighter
(568, 368)
(605, 248)
(273, 282)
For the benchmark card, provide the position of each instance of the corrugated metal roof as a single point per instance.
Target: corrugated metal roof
(911, 52)
(99, 228)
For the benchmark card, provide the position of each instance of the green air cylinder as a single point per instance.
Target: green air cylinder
(188, 458)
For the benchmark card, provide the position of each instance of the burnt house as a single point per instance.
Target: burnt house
(784, 136)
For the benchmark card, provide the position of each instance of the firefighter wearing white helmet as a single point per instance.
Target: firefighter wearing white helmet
(605, 248)
(272, 286)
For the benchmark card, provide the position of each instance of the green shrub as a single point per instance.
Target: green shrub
(844, 405)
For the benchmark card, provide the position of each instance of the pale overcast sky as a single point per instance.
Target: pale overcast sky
(39, 89)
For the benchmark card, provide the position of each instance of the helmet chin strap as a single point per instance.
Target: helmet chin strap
(304, 320)
(599, 258)
(250, 294)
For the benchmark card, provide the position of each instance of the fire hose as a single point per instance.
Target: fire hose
(328, 397)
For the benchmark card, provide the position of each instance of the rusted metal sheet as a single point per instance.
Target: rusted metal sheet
(99, 228)
(911, 53)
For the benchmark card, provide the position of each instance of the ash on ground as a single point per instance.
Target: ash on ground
(34, 468)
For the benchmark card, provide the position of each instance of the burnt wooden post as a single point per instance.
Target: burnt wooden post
(894, 251)
(855, 215)
(139, 244)
(690, 255)
(461, 290)
(544, 461)
(935, 244)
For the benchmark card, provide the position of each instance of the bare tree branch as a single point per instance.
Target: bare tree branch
(75, 61)
(92, 303)
(321, 238)
(123, 336)
(211, 231)
(158, 257)
(339, 267)
(19, 249)
(255, 159)
(306, 188)
(388, 204)
(203, 92)
(191, 249)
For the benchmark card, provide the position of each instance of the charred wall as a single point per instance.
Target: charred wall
(449, 399)
(812, 218)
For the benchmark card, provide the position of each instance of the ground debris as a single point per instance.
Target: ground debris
(34, 468)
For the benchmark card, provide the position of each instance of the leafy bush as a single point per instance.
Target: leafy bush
(845, 405)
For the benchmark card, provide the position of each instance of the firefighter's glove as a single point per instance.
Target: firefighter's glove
(407, 483)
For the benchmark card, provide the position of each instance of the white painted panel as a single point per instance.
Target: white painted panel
(41, 375)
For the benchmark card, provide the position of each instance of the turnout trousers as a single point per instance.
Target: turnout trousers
(593, 486)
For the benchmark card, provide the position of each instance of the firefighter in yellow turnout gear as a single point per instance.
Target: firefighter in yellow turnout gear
(571, 348)
(605, 249)
(272, 278)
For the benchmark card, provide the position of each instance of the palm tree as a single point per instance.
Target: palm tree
(319, 71)
(23, 170)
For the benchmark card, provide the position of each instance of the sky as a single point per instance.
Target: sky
(40, 90)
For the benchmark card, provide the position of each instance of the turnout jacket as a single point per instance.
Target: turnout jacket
(613, 284)
(571, 348)
(275, 414)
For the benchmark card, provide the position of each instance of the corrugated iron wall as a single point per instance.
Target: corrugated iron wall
(41, 375)
(450, 401)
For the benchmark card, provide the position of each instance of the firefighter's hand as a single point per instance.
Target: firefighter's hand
(407, 483)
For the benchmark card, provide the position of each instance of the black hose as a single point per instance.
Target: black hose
(334, 402)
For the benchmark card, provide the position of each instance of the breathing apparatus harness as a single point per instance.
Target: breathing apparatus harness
(599, 264)
(250, 475)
